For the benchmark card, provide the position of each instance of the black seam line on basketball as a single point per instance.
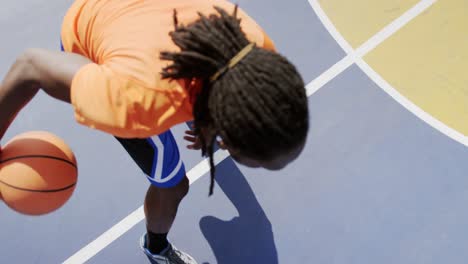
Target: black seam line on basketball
(39, 156)
(41, 191)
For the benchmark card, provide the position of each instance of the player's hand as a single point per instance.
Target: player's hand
(221, 144)
(194, 140)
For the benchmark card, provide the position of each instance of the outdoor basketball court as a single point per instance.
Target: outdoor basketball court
(383, 179)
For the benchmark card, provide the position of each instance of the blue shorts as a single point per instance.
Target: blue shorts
(158, 157)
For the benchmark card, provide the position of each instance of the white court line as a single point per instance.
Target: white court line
(107, 237)
(374, 76)
(202, 168)
(328, 75)
(136, 216)
(356, 57)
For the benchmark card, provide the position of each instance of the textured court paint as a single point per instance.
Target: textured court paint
(110, 185)
(293, 27)
(364, 197)
(374, 41)
(427, 62)
(375, 184)
(358, 20)
(354, 56)
(353, 120)
(281, 33)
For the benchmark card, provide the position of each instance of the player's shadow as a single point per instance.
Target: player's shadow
(247, 238)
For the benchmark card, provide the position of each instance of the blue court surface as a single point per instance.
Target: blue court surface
(380, 181)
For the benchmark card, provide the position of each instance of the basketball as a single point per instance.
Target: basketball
(38, 173)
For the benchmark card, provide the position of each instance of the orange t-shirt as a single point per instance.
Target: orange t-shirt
(122, 92)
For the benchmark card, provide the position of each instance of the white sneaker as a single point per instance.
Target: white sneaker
(170, 255)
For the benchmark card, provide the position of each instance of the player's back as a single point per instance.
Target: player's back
(122, 92)
(129, 35)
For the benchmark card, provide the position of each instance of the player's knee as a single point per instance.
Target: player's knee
(182, 188)
(175, 193)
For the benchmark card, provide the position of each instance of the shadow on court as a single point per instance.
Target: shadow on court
(247, 238)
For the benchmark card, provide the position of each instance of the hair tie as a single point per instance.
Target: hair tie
(233, 62)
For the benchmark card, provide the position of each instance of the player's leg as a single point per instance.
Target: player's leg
(159, 158)
(161, 205)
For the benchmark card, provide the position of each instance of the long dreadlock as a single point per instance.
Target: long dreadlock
(259, 106)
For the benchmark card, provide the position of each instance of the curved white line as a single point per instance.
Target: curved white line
(426, 117)
(322, 16)
(374, 41)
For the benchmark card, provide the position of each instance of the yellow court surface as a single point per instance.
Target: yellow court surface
(358, 20)
(426, 61)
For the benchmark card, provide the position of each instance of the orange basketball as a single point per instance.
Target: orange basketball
(38, 173)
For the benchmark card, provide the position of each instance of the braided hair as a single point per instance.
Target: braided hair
(259, 107)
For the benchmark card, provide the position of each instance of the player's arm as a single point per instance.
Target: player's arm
(33, 70)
